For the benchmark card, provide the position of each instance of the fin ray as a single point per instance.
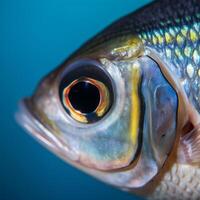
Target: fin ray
(189, 148)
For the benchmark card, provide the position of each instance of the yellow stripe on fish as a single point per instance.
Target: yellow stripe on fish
(135, 109)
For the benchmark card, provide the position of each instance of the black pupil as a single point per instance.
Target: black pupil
(84, 97)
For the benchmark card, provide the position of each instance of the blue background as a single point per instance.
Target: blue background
(35, 37)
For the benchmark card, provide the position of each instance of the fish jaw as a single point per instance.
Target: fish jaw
(26, 118)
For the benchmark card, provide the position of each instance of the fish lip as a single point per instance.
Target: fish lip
(32, 125)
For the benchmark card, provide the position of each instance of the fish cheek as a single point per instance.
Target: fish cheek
(160, 113)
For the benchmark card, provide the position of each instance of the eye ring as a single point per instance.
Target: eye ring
(75, 77)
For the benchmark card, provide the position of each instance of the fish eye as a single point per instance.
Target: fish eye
(86, 91)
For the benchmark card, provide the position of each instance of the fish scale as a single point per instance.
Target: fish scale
(172, 28)
(180, 183)
(180, 46)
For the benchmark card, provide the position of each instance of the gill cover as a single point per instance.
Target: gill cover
(125, 133)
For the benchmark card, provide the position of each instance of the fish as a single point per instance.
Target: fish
(125, 107)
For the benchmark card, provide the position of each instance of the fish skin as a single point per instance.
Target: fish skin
(172, 29)
(179, 45)
(181, 182)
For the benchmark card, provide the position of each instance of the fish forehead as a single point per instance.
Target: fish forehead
(173, 30)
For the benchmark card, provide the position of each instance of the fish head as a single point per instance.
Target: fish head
(113, 110)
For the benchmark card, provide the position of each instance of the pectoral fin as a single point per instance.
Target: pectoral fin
(189, 148)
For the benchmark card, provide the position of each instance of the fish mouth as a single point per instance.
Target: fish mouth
(28, 120)
(32, 125)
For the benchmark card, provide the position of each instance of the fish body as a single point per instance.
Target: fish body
(143, 132)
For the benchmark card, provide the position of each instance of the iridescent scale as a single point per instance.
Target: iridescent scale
(172, 28)
(180, 46)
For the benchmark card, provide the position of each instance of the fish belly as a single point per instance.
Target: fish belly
(182, 182)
